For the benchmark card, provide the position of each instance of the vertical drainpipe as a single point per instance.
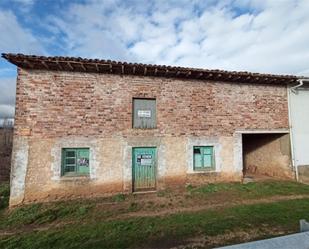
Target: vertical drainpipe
(291, 135)
(289, 91)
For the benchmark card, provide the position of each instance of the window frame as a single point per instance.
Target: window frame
(212, 154)
(76, 171)
(134, 126)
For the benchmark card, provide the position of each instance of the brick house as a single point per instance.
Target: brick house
(88, 127)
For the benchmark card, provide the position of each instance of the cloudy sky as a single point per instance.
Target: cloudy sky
(269, 36)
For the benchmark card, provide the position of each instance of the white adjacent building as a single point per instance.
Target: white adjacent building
(299, 124)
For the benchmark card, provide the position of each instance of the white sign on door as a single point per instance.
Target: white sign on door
(144, 113)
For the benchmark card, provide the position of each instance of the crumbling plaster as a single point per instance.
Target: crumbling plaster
(19, 169)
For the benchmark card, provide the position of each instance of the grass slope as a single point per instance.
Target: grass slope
(86, 223)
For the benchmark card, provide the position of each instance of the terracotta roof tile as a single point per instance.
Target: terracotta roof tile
(79, 64)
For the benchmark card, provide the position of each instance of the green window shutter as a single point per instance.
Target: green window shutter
(83, 161)
(208, 157)
(207, 161)
(203, 157)
(75, 161)
(69, 160)
(198, 160)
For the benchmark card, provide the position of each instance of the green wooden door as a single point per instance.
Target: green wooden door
(144, 169)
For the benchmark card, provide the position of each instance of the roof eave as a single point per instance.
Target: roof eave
(74, 64)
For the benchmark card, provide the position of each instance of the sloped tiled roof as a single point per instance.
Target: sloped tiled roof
(78, 64)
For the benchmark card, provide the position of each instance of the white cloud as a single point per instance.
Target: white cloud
(15, 38)
(261, 36)
(24, 6)
(7, 111)
(24, 2)
(7, 97)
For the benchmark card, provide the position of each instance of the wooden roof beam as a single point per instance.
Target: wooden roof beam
(45, 65)
(58, 64)
(70, 66)
(237, 78)
(28, 63)
(97, 67)
(82, 66)
(219, 76)
(200, 75)
(210, 75)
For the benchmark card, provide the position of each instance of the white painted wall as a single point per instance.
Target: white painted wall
(299, 120)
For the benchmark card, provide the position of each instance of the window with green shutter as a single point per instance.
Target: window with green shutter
(75, 161)
(203, 158)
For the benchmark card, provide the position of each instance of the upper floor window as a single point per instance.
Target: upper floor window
(144, 113)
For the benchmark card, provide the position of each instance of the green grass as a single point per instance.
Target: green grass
(4, 195)
(87, 223)
(253, 189)
(142, 232)
(82, 209)
(119, 198)
(44, 213)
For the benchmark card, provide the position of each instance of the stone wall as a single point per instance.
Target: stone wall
(57, 109)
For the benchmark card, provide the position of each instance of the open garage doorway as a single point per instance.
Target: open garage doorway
(266, 155)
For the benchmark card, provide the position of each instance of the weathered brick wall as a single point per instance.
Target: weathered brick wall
(57, 110)
(6, 137)
(57, 104)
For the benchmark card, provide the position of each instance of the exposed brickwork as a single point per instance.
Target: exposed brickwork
(55, 110)
(57, 104)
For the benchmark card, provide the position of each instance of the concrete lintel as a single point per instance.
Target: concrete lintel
(283, 131)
